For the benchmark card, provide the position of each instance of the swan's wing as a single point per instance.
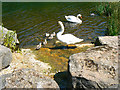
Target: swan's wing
(71, 18)
(70, 39)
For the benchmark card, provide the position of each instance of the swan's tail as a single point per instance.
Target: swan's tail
(66, 17)
(78, 40)
(81, 40)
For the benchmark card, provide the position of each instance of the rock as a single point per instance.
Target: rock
(4, 32)
(26, 59)
(98, 66)
(3, 80)
(29, 78)
(80, 82)
(111, 41)
(5, 56)
(47, 83)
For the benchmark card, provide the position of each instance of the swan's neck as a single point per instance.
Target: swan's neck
(62, 29)
(78, 16)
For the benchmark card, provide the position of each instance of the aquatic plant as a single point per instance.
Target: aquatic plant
(104, 8)
(112, 28)
(111, 9)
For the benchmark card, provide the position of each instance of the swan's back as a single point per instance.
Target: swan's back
(69, 39)
(73, 19)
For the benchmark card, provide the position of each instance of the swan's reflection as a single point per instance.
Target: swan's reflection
(70, 24)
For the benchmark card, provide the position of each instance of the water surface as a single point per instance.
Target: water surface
(32, 20)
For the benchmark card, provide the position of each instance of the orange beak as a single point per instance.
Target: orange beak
(81, 16)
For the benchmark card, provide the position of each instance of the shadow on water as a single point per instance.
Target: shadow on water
(63, 47)
(64, 80)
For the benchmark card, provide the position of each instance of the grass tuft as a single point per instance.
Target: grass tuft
(112, 10)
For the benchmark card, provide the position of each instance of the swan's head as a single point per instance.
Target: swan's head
(79, 15)
(60, 22)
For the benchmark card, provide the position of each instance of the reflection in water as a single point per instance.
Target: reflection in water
(32, 20)
(70, 24)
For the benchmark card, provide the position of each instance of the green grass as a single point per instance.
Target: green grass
(112, 10)
(8, 39)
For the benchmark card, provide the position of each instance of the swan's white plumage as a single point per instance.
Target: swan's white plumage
(72, 18)
(67, 38)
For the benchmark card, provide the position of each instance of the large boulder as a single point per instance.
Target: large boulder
(5, 56)
(95, 68)
(29, 78)
(4, 31)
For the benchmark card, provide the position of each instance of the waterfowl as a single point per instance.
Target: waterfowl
(39, 46)
(53, 34)
(92, 14)
(45, 42)
(72, 18)
(67, 38)
(47, 34)
(51, 37)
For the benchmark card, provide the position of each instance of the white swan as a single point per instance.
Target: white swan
(67, 38)
(72, 18)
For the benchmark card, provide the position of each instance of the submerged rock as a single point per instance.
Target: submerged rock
(97, 67)
(85, 45)
(5, 57)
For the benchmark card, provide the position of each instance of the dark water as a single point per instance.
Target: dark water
(32, 20)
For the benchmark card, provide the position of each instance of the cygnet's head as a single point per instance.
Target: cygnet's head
(79, 15)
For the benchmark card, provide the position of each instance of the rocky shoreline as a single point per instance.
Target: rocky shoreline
(97, 67)
(23, 64)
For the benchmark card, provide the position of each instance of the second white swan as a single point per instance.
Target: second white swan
(67, 38)
(72, 18)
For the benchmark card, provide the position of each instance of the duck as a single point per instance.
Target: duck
(67, 38)
(72, 18)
